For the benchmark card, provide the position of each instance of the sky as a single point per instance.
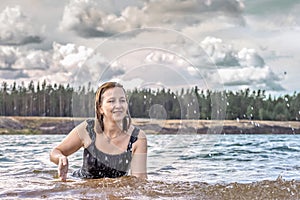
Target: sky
(214, 44)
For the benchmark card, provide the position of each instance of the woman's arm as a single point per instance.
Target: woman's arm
(59, 154)
(139, 158)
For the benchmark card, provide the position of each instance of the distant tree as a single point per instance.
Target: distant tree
(280, 111)
(191, 103)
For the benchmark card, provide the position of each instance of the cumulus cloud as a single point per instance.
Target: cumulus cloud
(253, 77)
(220, 53)
(15, 58)
(8, 56)
(64, 63)
(233, 67)
(16, 28)
(243, 67)
(70, 63)
(70, 56)
(223, 54)
(88, 19)
(249, 57)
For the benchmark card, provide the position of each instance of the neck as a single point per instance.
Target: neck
(112, 129)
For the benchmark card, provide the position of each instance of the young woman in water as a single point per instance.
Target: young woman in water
(111, 143)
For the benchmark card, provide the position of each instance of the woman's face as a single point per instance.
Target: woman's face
(114, 104)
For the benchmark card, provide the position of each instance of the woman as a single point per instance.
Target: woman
(111, 143)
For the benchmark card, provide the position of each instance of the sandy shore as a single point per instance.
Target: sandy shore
(60, 125)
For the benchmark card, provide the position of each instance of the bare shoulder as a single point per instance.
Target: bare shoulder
(81, 132)
(82, 124)
(142, 135)
(78, 128)
(140, 146)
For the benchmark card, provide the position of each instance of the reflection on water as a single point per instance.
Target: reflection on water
(180, 167)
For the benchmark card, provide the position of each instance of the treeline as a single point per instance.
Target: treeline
(56, 100)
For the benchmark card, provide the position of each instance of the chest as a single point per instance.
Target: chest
(115, 146)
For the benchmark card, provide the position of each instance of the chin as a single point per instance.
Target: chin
(118, 118)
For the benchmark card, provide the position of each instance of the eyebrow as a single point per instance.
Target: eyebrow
(112, 98)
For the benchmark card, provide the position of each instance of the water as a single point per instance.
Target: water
(179, 167)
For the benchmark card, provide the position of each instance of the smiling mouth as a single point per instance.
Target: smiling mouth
(117, 112)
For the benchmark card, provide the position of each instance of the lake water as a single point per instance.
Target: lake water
(179, 167)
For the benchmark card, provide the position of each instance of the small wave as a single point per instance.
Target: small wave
(241, 144)
(284, 149)
(4, 159)
(208, 155)
(242, 151)
(133, 188)
(167, 168)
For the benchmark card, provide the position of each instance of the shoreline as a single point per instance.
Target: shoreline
(63, 125)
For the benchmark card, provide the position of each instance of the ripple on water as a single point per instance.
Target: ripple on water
(133, 188)
(284, 149)
(227, 170)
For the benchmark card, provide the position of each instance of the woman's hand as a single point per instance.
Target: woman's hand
(58, 154)
(63, 166)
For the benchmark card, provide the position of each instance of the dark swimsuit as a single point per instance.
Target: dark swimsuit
(97, 164)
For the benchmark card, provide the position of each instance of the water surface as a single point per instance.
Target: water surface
(179, 167)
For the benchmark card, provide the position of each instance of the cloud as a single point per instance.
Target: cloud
(12, 76)
(64, 63)
(233, 67)
(243, 67)
(87, 19)
(220, 53)
(253, 77)
(15, 58)
(70, 63)
(8, 56)
(97, 69)
(16, 28)
(70, 56)
(249, 57)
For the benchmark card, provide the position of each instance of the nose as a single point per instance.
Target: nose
(118, 104)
